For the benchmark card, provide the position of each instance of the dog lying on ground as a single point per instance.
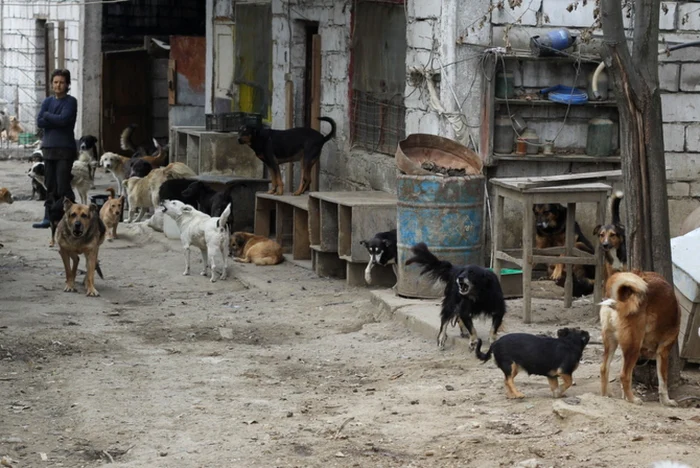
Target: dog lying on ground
(273, 147)
(246, 247)
(114, 164)
(197, 229)
(643, 318)
(539, 355)
(470, 291)
(37, 173)
(382, 249)
(6, 196)
(110, 213)
(550, 231)
(80, 232)
(612, 240)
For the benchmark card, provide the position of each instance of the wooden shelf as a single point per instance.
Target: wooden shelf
(547, 102)
(557, 158)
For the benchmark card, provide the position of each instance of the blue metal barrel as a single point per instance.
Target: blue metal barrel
(447, 214)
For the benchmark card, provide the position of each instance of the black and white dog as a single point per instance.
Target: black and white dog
(88, 153)
(470, 291)
(382, 250)
(38, 175)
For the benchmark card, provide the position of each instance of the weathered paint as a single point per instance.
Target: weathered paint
(447, 214)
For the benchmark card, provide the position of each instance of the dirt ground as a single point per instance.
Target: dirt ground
(277, 367)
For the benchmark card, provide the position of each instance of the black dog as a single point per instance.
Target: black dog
(55, 215)
(126, 143)
(233, 194)
(539, 355)
(172, 189)
(469, 291)
(273, 147)
(87, 145)
(137, 167)
(382, 250)
(201, 192)
(550, 231)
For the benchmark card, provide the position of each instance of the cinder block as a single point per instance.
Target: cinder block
(327, 264)
(424, 9)
(674, 137)
(690, 77)
(527, 16)
(334, 39)
(683, 166)
(581, 16)
(678, 210)
(680, 107)
(692, 138)
(419, 34)
(688, 18)
(668, 76)
(678, 189)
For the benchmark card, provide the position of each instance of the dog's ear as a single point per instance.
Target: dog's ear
(585, 337)
(187, 209)
(562, 332)
(363, 242)
(596, 230)
(67, 203)
(94, 210)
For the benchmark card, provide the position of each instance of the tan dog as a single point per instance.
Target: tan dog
(114, 163)
(249, 248)
(6, 196)
(110, 213)
(14, 130)
(142, 192)
(80, 231)
(642, 317)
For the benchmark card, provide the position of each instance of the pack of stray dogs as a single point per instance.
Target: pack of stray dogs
(146, 182)
(640, 314)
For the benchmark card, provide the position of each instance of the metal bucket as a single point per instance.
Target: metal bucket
(447, 214)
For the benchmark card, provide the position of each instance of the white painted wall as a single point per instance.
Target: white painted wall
(22, 84)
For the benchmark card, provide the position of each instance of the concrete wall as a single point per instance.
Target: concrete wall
(22, 79)
(189, 56)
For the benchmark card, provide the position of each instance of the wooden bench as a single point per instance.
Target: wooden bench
(291, 222)
(567, 190)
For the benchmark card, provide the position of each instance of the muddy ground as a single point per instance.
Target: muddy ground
(276, 367)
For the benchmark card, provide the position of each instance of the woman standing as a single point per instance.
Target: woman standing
(57, 118)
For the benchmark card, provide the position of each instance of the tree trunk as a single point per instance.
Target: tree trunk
(635, 78)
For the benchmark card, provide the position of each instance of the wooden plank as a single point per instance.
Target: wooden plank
(51, 50)
(301, 249)
(528, 223)
(553, 260)
(487, 112)
(569, 245)
(61, 44)
(316, 101)
(289, 123)
(172, 82)
(518, 183)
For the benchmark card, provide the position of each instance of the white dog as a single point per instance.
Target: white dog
(83, 179)
(200, 230)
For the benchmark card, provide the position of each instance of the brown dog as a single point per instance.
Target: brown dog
(14, 130)
(550, 231)
(80, 231)
(249, 248)
(642, 317)
(6, 196)
(612, 240)
(110, 213)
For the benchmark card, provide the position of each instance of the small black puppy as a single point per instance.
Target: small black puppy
(55, 215)
(539, 355)
(232, 194)
(470, 291)
(204, 195)
(382, 250)
(173, 189)
(137, 167)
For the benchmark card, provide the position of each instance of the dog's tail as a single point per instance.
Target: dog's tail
(178, 170)
(332, 133)
(125, 138)
(627, 292)
(112, 193)
(99, 270)
(223, 221)
(433, 266)
(615, 210)
(483, 357)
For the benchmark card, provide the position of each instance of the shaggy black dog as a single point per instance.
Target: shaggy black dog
(470, 291)
(382, 249)
(173, 189)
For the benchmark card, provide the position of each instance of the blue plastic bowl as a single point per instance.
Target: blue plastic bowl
(565, 94)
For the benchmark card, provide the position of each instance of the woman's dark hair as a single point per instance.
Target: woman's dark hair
(64, 73)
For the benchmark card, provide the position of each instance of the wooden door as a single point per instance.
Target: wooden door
(126, 97)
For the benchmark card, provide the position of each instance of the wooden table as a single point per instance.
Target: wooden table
(567, 190)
